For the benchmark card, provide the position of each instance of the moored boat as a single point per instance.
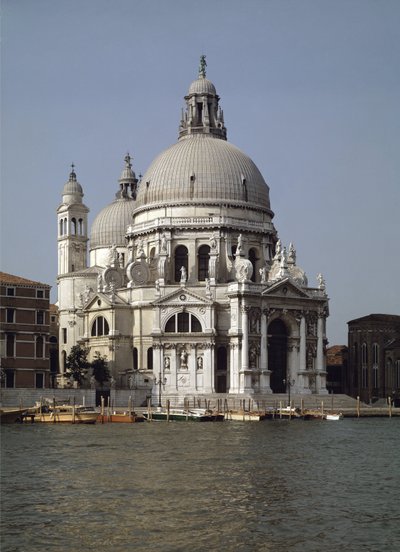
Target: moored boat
(66, 413)
(246, 416)
(333, 416)
(121, 418)
(183, 415)
(11, 415)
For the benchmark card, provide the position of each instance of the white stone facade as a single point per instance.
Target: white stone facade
(188, 282)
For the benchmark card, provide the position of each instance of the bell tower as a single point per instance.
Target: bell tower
(72, 228)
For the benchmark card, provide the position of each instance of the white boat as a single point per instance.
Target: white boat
(245, 416)
(333, 417)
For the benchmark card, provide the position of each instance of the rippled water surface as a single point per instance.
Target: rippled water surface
(270, 486)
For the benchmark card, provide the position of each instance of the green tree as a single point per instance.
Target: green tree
(100, 368)
(77, 363)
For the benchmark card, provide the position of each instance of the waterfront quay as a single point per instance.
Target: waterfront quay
(119, 401)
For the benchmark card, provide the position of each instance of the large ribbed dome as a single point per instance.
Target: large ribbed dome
(203, 168)
(110, 225)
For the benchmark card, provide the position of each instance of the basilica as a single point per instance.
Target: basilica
(183, 281)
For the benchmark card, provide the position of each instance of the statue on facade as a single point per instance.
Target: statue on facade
(163, 243)
(278, 248)
(131, 381)
(199, 363)
(239, 245)
(113, 256)
(183, 274)
(167, 363)
(139, 249)
(263, 274)
(321, 282)
(184, 357)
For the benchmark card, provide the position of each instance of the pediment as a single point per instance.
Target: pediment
(285, 288)
(105, 301)
(182, 297)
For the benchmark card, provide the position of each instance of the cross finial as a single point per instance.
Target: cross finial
(202, 67)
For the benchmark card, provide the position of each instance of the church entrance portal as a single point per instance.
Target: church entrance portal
(277, 355)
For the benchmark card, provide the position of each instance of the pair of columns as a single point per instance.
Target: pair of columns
(296, 361)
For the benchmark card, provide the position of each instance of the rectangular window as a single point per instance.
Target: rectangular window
(39, 293)
(10, 292)
(10, 316)
(10, 378)
(39, 317)
(39, 380)
(64, 334)
(10, 345)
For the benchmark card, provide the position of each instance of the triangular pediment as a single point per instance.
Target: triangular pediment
(105, 301)
(182, 297)
(285, 288)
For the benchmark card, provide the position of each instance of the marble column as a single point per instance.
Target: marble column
(245, 372)
(320, 368)
(265, 374)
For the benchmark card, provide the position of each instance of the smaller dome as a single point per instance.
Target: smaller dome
(109, 227)
(202, 86)
(72, 191)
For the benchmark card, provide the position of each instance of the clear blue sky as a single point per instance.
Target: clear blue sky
(310, 91)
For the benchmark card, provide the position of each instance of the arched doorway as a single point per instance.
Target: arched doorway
(221, 370)
(277, 355)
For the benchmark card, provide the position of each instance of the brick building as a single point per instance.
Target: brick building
(24, 332)
(374, 357)
(336, 367)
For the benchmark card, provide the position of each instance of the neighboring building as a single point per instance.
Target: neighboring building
(374, 357)
(336, 367)
(53, 345)
(24, 334)
(187, 280)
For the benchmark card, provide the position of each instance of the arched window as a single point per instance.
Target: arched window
(150, 358)
(100, 327)
(61, 227)
(183, 322)
(203, 258)
(39, 347)
(64, 360)
(364, 365)
(375, 364)
(253, 258)
(73, 226)
(80, 227)
(181, 260)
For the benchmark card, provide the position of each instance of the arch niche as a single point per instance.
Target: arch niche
(277, 354)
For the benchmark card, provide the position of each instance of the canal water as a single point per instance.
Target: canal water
(289, 486)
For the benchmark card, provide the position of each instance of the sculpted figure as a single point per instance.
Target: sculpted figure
(183, 274)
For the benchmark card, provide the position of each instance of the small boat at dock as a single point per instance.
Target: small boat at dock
(246, 416)
(183, 415)
(334, 417)
(65, 413)
(11, 415)
(120, 418)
